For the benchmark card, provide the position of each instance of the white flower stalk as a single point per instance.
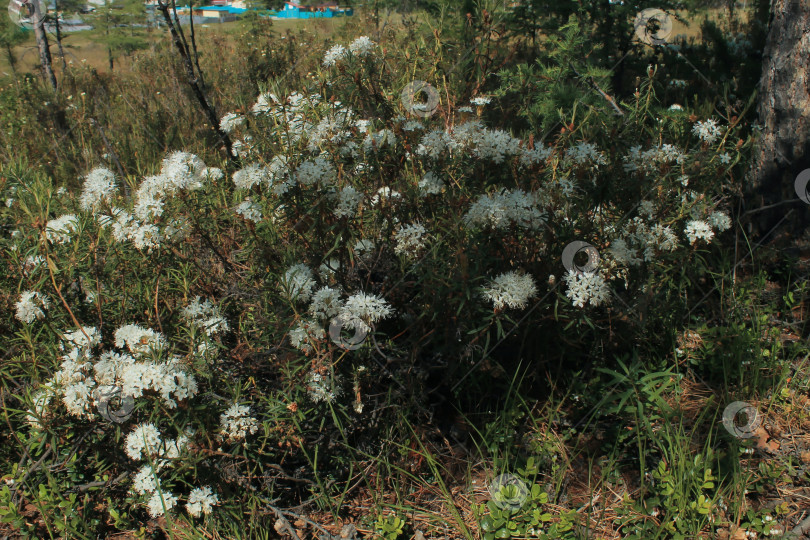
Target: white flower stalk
(237, 424)
(512, 289)
(480, 101)
(31, 306)
(200, 501)
(99, 188)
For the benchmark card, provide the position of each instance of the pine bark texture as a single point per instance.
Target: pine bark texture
(783, 147)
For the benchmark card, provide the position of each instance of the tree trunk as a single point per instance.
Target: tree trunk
(59, 36)
(783, 148)
(42, 44)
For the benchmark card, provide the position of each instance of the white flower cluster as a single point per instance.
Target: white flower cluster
(708, 131)
(512, 289)
(60, 230)
(584, 152)
(378, 140)
(500, 210)
(318, 171)
(348, 200)
(357, 312)
(530, 157)
(237, 424)
(99, 187)
(181, 171)
(200, 501)
(430, 184)
(205, 315)
(144, 442)
(586, 287)
(250, 210)
(698, 229)
(481, 100)
(648, 159)
(361, 46)
(410, 239)
(231, 121)
(298, 282)
(319, 389)
(30, 306)
(639, 235)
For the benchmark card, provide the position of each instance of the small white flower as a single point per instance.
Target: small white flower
(231, 121)
(720, 221)
(236, 423)
(724, 158)
(708, 131)
(200, 501)
(697, 229)
(161, 501)
(99, 187)
(511, 289)
(30, 306)
(481, 100)
(361, 46)
(334, 55)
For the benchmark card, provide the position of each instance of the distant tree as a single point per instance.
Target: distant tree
(11, 35)
(116, 20)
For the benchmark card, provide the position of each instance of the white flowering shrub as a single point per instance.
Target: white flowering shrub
(247, 307)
